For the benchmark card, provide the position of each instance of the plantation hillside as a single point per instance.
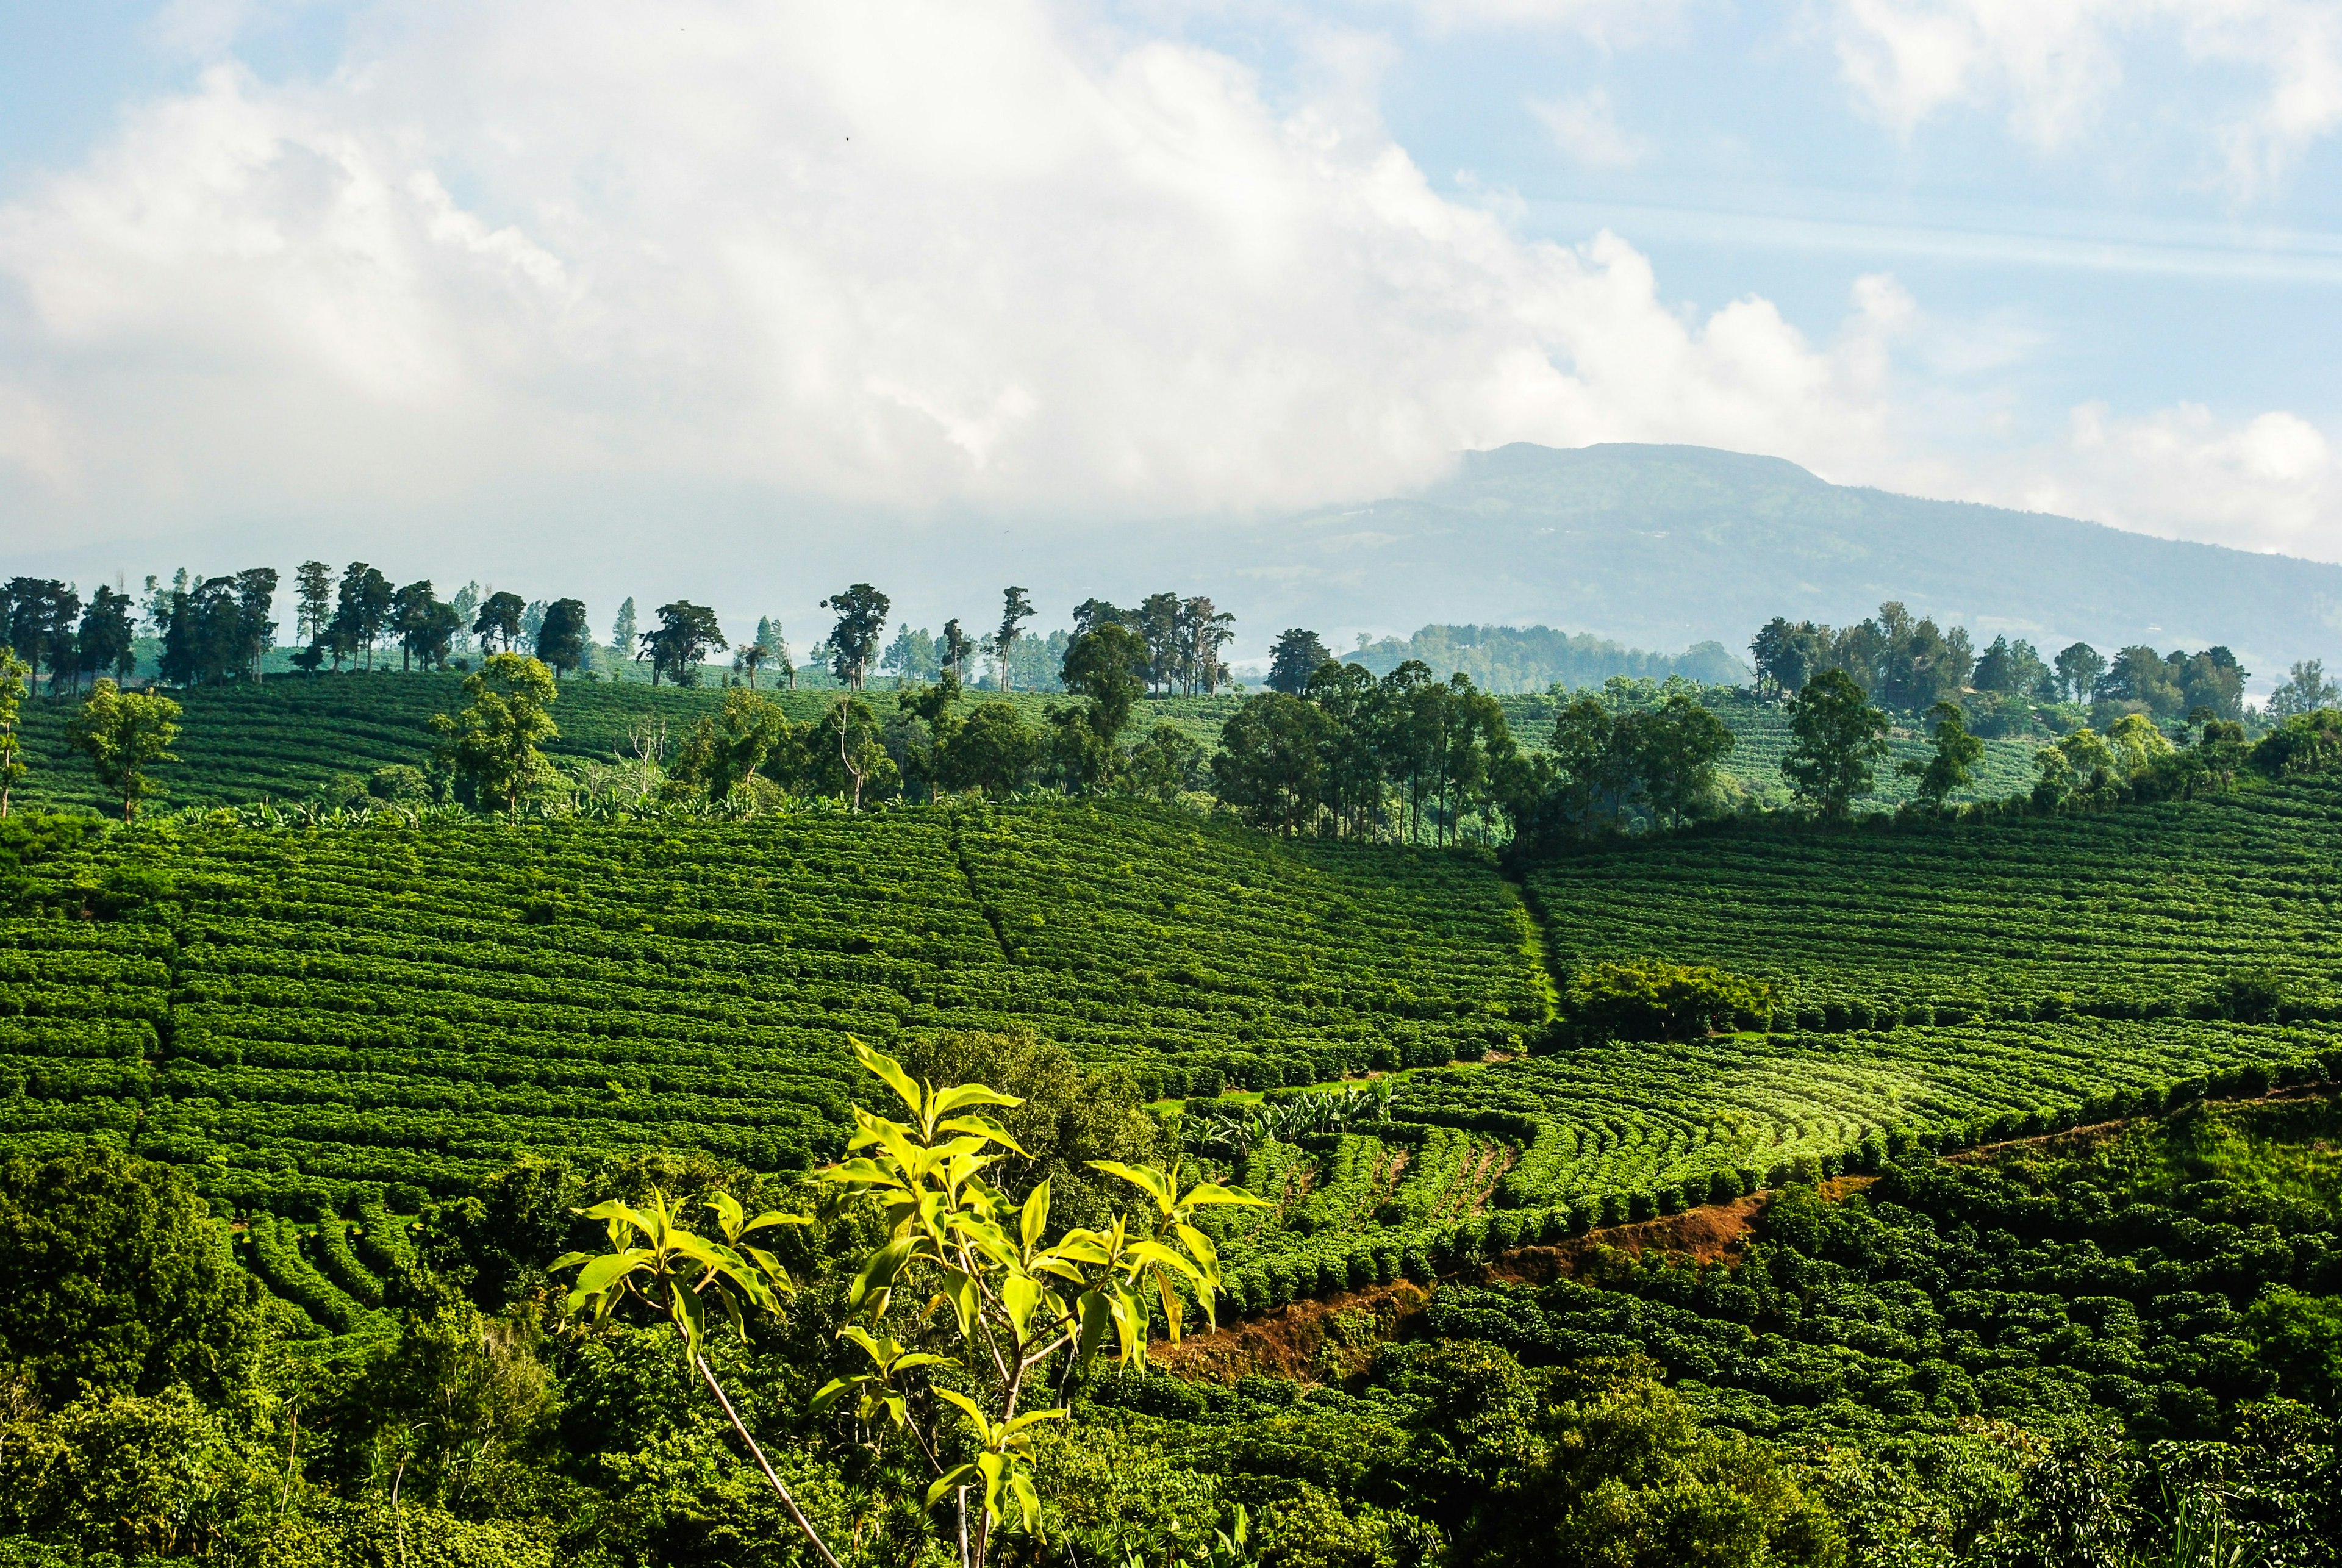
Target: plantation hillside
(335, 1015)
(290, 738)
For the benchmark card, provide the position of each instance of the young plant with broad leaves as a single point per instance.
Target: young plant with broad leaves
(1020, 1307)
(686, 1278)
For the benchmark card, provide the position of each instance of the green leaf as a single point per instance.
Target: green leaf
(1036, 1216)
(974, 1411)
(947, 1101)
(607, 1269)
(945, 1482)
(878, 1271)
(728, 1213)
(891, 1072)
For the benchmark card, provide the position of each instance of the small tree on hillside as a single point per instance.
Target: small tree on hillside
(854, 640)
(625, 640)
(493, 743)
(1295, 660)
(685, 635)
(411, 622)
(1016, 609)
(2080, 667)
(561, 636)
(123, 734)
(13, 673)
(1954, 763)
(954, 649)
(363, 608)
(1838, 739)
(312, 585)
(497, 625)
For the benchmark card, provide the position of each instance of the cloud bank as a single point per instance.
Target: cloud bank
(980, 256)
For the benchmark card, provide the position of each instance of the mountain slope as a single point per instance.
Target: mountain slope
(1663, 547)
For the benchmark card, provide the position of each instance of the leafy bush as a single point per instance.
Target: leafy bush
(1646, 999)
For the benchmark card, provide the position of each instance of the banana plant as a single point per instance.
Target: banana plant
(1017, 1301)
(684, 1276)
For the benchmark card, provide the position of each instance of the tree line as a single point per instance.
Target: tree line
(1907, 664)
(219, 629)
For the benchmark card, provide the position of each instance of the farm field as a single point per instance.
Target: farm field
(2139, 911)
(329, 1011)
(288, 737)
(338, 1015)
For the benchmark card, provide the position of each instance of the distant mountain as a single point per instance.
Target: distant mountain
(1667, 546)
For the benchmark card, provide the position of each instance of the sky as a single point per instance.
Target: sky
(742, 299)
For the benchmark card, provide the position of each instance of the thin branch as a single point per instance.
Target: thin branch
(762, 1463)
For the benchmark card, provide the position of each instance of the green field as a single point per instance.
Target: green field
(290, 736)
(323, 1010)
(332, 1013)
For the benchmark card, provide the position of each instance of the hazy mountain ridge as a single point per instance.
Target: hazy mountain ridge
(1667, 546)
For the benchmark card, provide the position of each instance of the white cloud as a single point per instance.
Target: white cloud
(1586, 129)
(1606, 21)
(2271, 483)
(2054, 65)
(901, 254)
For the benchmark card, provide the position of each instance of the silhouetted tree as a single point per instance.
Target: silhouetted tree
(1294, 659)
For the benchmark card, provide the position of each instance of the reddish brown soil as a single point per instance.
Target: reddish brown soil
(1297, 1341)
(1309, 1340)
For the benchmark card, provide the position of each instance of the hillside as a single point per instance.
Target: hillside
(1666, 546)
(330, 1011)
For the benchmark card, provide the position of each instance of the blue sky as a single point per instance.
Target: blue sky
(807, 284)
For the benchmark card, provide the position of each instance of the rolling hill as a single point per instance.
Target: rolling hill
(1666, 547)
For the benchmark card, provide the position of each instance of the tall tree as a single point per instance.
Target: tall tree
(466, 605)
(1158, 627)
(497, 625)
(1294, 660)
(123, 734)
(685, 635)
(105, 643)
(1016, 609)
(747, 660)
(1595, 779)
(2304, 690)
(994, 750)
(854, 730)
(1110, 668)
(1679, 745)
(363, 608)
(955, 649)
(493, 745)
(1269, 766)
(256, 600)
(313, 586)
(41, 615)
(410, 621)
(624, 639)
(561, 634)
(14, 672)
(2080, 667)
(1837, 738)
(1955, 756)
(1204, 631)
(853, 640)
